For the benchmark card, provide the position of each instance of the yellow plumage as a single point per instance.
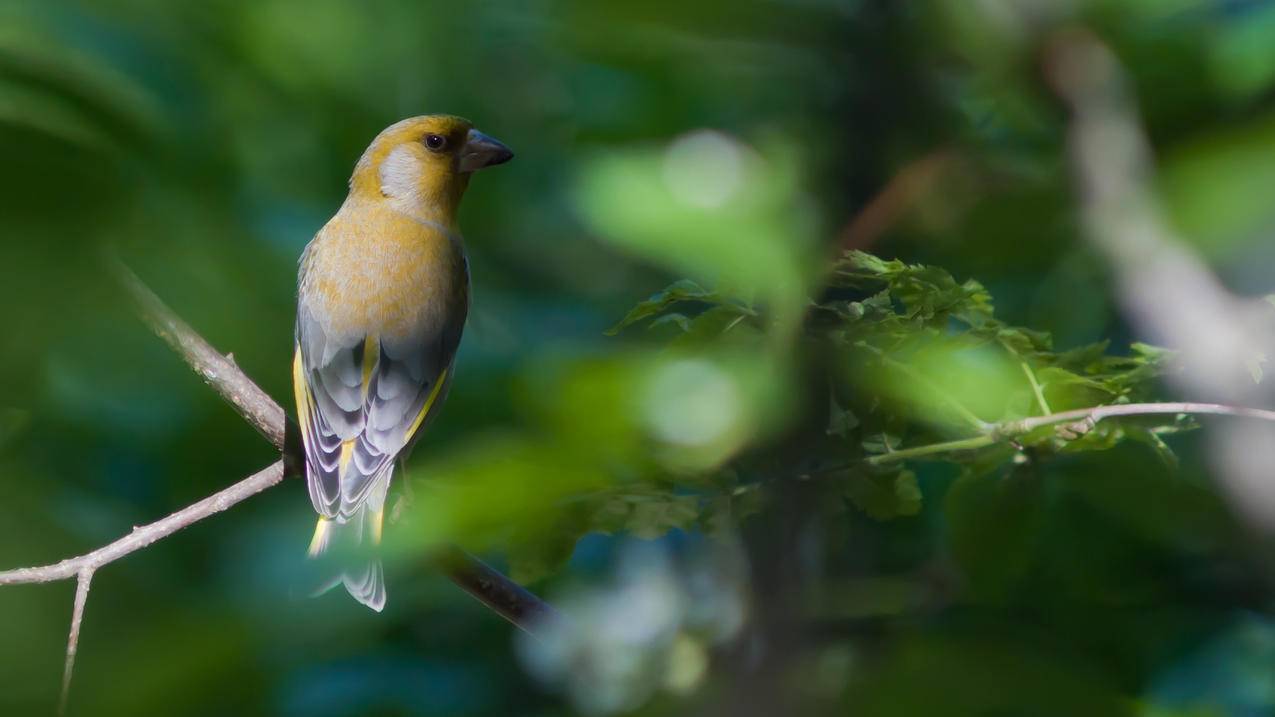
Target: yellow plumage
(383, 292)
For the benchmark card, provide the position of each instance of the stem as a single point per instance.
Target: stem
(1098, 413)
(963, 444)
(1036, 389)
(997, 432)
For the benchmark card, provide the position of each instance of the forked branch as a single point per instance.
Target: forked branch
(508, 599)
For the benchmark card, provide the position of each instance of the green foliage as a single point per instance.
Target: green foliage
(884, 495)
(843, 418)
(919, 358)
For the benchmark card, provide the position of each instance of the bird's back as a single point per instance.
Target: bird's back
(374, 269)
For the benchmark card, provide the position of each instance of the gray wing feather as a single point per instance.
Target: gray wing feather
(401, 382)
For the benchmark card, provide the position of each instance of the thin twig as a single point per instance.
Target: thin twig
(903, 190)
(931, 449)
(1036, 388)
(73, 638)
(218, 371)
(147, 534)
(1098, 413)
(1006, 430)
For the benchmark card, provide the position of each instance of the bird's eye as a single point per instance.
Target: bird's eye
(435, 142)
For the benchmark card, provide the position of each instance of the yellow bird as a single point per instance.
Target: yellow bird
(383, 291)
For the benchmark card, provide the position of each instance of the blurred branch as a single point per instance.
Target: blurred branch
(503, 596)
(83, 566)
(1165, 288)
(903, 190)
(507, 598)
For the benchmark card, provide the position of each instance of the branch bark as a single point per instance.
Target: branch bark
(219, 372)
(505, 597)
(145, 535)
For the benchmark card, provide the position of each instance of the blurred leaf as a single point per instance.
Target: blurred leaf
(994, 522)
(884, 495)
(646, 515)
(840, 420)
(708, 206)
(1151, 438)
(684, 290)
(13, 423)
(1254, 365)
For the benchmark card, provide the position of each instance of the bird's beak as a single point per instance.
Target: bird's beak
(482, 151)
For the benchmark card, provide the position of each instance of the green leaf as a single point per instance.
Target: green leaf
(647, 515)
(881, 442)
(684, 290)
(714, 323)
(884, 495)
(993, 523)
(1082, 358)
(680, 320)
(1023, 343)
(1150, 437)
(1066, 390)
(538, 558)
(840, 420)
(724, 512)
(1152, 354)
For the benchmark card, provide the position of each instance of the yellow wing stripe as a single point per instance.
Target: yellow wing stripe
(347, 452)
(302, 392)
(378, 524)
(429, 402)
(371, 354)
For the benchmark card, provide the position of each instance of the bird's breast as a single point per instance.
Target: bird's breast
(384, 273)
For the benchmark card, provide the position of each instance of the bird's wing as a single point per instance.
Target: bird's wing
(361, 402)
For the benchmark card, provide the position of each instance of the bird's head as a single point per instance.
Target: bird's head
(422, 164)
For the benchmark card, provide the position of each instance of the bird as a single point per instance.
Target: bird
(382, 296)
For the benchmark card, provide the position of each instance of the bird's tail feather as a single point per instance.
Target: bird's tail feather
(349, 547)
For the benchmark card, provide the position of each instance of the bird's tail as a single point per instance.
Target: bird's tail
(349, 545)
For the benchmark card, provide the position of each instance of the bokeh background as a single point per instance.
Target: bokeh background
(733, 143)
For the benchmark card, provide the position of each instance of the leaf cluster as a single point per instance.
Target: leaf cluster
(908, 356)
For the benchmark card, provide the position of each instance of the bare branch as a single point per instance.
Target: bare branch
(507, 598)
(502, 595)
(147, 534)
(218, 371)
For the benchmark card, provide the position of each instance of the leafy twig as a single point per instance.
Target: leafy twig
(1085, 417)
